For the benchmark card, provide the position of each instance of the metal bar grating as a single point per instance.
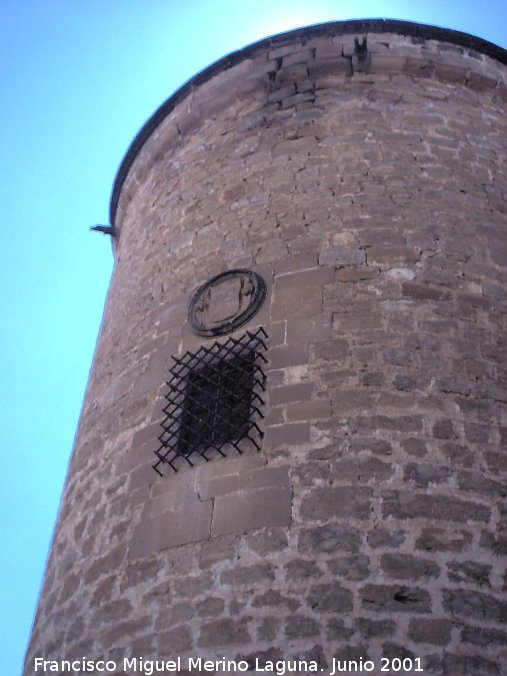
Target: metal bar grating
(214, 400)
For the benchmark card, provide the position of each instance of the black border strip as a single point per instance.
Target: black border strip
(331, 28)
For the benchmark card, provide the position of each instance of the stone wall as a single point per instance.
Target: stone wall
(367, 187)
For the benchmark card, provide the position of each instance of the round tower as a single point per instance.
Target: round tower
(293, 440)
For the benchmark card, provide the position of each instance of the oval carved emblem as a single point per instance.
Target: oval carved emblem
(226, 302)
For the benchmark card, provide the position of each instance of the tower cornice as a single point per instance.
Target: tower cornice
(328, 29)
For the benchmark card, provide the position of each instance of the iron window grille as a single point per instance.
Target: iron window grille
(214, 400)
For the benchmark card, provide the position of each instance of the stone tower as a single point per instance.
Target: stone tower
(311, 250)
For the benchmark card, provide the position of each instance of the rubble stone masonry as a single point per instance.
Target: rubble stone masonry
(366, 183)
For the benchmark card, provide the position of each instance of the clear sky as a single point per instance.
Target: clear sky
(78, 79)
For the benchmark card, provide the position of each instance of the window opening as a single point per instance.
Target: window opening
(214, 400)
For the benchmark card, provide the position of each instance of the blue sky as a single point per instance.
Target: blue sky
(78, 79)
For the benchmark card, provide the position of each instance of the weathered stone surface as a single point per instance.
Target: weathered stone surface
(457, 455)
(171, 529)
(295, 303)
(329, 539)
(223, 632)
(351, 655)
(338, 502)
(193, 586)
(401, 424)
(467, 665)
(246, 510)
(475, 605)
(330, 598)
(275, 599)
(296, 392)
(249, 575)
(302, 570)
(371, 628)
(179, 638)
(267, 540)
(443, 429)
(356, 567)
(316, 276)
(269, 629)
(438, 539)
(407, 567)
(483, 637)
(337, 631)
(140, 572)
(319, 409)
(420, 292)
(440, 507)
(105, 564)
(393, 651)
(376, 446)
(289, 434)
(471, 481)
(361, 470)
(125, 628)
(423, 475)
(367, 192)
(178, 613)
(244, 479)
(210, 607)
(299, 626)
(434, 632)
(383, 598)
(383, 537)
(497, 544)
(469, 571)
(412, 381)
(70, 586)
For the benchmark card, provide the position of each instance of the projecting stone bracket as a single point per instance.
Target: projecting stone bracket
(361, 59)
